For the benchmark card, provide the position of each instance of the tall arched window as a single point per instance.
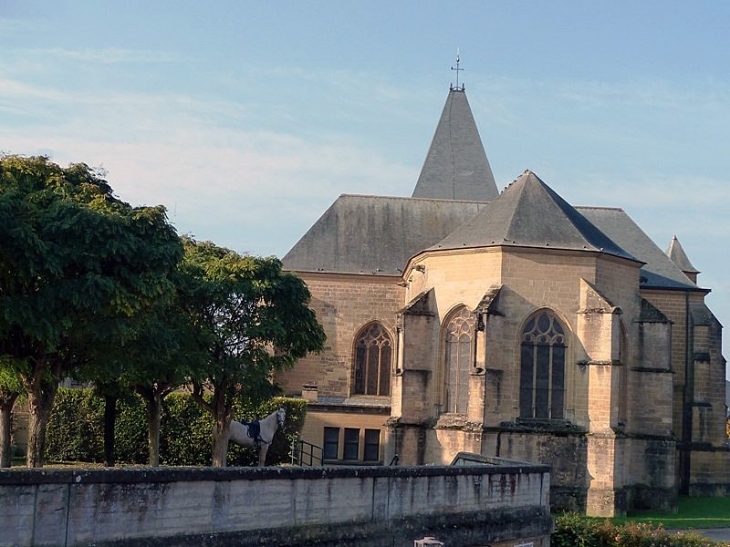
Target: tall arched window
(373, 354)
(542, 368)
(458, 360)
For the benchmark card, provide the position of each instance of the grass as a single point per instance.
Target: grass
(693, 513)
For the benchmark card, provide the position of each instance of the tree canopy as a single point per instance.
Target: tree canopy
(94, 288)
(251, 319)
(77, 267)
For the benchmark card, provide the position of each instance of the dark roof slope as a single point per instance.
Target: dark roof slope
(369, 234)
(528, 213)
(658, 271)
(456, 165)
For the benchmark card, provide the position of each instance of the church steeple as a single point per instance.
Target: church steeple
(456, 165)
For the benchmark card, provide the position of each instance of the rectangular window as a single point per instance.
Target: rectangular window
(352, 444)
(331, 448)
(372, 445)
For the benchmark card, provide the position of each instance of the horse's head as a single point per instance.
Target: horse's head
(281, 416)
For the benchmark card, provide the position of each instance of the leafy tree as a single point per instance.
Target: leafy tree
(10, 389)
(165, 358)
(77, 267)
(251, 319)
(153, 365)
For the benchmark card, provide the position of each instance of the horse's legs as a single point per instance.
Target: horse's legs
(262, 454)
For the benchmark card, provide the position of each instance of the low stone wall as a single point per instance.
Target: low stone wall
(462, 505)
(710, 472)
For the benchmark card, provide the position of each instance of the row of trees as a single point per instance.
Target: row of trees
(95, 289)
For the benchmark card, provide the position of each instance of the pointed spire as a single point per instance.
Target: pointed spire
(456, 165)
(676, 253)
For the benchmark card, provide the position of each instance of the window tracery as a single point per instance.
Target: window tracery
(542, 368)
(459, 339)
(373, 355)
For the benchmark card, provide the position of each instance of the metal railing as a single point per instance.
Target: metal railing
(304, 453)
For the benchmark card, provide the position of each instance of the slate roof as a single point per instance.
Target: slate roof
(456, 166)
(658, 271)
(371, 234)
(676, 253)
(528, 213)
(456, 205)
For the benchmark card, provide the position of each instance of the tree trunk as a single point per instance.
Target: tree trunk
(110, 420)
(41, 385)
(222, 415)
(221, 433)
(7, 400)
(40, 400)
(154, 420)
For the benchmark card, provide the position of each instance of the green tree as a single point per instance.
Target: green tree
(155, 363)
(77, 266)
(251, 319)
(10, 389)
(166, 357)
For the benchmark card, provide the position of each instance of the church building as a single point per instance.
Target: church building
(511, 324)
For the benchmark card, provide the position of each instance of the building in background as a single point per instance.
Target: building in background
(515, 325)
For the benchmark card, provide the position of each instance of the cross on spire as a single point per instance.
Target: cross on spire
(457, 70)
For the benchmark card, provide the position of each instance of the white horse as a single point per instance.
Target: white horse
(268, 426)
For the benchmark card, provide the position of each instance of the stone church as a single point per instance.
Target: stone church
(511, 324)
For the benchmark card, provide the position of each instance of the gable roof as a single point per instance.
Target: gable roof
(375, 235)
(528, 213)
(658, 270)
(456, 166)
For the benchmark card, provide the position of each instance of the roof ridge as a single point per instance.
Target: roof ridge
(411, 198)
(521, 196)
(601, 207)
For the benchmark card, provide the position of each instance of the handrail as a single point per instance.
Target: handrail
(302, 450)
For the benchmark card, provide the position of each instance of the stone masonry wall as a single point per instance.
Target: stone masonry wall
(710, 472)
(343, 304)
(530, 280)
(296, 506)
(673, 305)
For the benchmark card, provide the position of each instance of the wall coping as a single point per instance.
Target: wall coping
(130, 475)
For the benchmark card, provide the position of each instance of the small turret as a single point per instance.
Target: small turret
(677, 255)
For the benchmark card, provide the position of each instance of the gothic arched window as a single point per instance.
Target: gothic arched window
(542, 368)
(373, 354)
(459, 338)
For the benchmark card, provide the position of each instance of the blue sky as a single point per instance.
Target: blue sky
(247, 119)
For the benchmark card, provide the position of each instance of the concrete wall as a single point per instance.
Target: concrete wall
(462, 505)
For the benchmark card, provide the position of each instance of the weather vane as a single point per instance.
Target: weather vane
(457, 69)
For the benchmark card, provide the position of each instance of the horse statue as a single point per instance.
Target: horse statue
(258, 433)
